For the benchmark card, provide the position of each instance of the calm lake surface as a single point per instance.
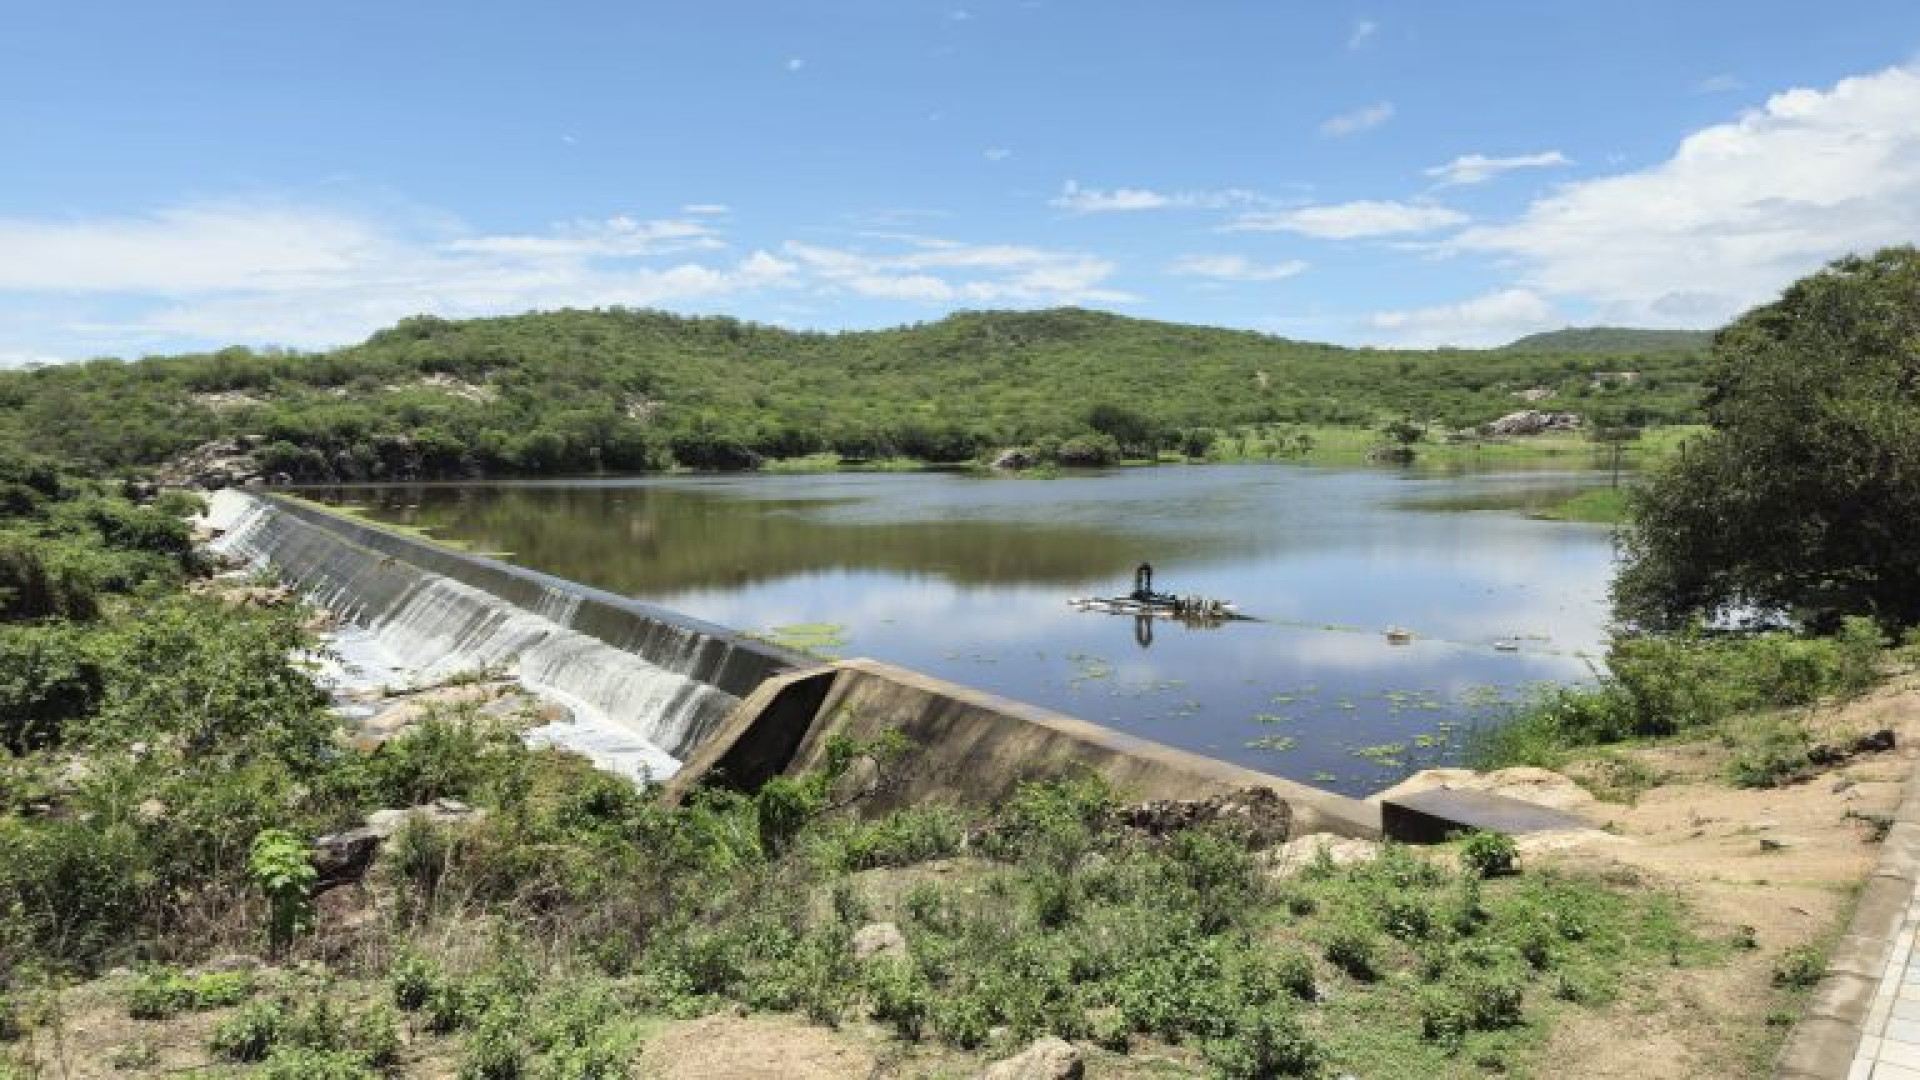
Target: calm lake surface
(967, 577)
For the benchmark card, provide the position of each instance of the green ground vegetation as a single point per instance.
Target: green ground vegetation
(619, 390)
(1748, 690)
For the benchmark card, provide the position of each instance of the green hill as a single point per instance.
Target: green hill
(1614, 339)
(571, 391)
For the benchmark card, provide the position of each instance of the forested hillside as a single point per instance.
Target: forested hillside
(631, 390)
(1614, 339)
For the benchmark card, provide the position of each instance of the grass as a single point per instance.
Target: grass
(1607, 506)
(1345, 445)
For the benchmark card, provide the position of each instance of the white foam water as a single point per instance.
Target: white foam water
(628, 715)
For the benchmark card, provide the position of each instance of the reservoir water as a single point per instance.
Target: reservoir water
(968, 577)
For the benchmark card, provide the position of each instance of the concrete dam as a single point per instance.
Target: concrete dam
(660, 696)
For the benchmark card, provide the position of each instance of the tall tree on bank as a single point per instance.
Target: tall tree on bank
(1804, 499)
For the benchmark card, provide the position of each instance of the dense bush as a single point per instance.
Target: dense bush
(1655, 687)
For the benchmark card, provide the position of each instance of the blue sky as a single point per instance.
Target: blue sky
(194, 174)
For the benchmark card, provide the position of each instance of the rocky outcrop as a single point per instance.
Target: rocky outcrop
(1046, 1059)
(214, 465)
(881, 939)
(344, 857)
(1258, 814)
(1017, 459)
(1532, 422)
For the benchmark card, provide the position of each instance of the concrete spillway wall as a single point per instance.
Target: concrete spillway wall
(652, 682)
(733, 709)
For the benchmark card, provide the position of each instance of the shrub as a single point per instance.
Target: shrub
(49, 677)
(282, 868)
(1263, 1041)
(1054, 823)
(1354, 948)
(1799, 967)
(1407, 917)
(1293, 972)
(962, 1018)
(1769, 751)
(306, 1063)
(1489, 854)
(1470, 1001)
(494, 1050)
(249, 1033)
(157, 993)
(413, 979)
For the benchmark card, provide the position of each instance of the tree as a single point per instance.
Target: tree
(1802, 498)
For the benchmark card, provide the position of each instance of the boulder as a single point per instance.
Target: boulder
(345, 856)
(1016, 460)
(879, 939)
(1047, 1058)
(1299, 853)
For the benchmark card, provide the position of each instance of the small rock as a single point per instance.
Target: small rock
(879, 939)
(1767, 844)
(1874, 742)
(151, 810)
(1047, 1058)
(233, 962)
(344, 856)
(1297, 854)
(1841, 785)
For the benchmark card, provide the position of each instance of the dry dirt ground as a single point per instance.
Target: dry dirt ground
(1786, 862)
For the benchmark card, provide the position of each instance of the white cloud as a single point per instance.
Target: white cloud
(220, 273)
(615, 237)
(1351, 220)
(795, 63)
(996, 153)
(1740, 209)
(1357, 121)
(1477, 168)
(1081, 200)
(1493, 319)
(1718, 84)
(1363, 32)
(1234, 268)
(938, 271)
(187, 249)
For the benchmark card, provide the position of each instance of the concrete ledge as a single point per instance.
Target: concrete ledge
(1428, 817)
(1881, 907)
(1900, 852)
(1844, 997)
(975, 748)
(1820, 1048)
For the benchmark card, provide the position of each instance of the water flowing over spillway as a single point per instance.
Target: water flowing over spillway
(636, 715)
